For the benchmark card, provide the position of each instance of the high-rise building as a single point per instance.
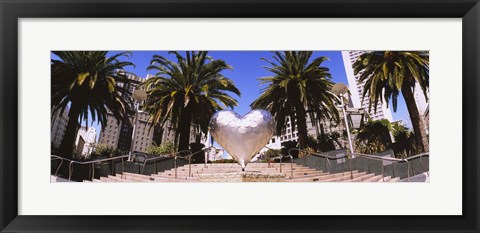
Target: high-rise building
(58, 128)
(422, 105)
(89, 137)
(314, 129)
(356, 89)
(119, 134)
(420, 100)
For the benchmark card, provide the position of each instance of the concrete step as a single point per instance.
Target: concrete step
(106, 179)
(397, 179)
(374, 179)
(362, 178)
(300, 174)
(385, 179)
(344, 177)
(126, 178)
(322, 177)
(168, 179)
(127, 175)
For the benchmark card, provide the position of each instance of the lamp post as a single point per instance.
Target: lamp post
(138, 96)
(357, 116)
(341, 91)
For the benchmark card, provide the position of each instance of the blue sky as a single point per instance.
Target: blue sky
(247, 68)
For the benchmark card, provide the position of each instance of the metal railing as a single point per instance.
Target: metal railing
(280, 157)
(396, 160)
(407, 160)
(187, 157)
(327, 158)
(146, 159)
(91, 163)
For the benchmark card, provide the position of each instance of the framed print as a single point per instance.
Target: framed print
(328, 127)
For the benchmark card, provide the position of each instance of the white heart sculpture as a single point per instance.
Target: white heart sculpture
(242, 137)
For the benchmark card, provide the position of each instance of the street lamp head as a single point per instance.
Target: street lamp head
(340, 89)
(139, 95)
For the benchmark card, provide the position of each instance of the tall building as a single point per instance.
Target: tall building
(356, 89)
(426, 116)
(119, 134)
(422, 105)
(314, 129)
(89, 137)
(58, 128)
(420, 100)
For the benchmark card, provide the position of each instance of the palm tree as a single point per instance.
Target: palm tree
(91, 83)
(388, 73)
(374, 137)
(297, 89)
(188, 91)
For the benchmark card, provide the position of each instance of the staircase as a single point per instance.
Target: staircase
(300, 174)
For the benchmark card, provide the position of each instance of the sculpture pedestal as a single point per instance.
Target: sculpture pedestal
(242, 177)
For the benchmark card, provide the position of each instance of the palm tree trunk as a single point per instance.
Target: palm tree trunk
(68, 141)
(301, 126)
(417, 121)
(184, 129)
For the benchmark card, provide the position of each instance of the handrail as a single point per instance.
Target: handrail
(280, 157)
(186, 157)
(92, 162)
(137, 153)
(326, 157)
(61, 162)
(154, 159)
(368, 156)
(395, 160)
(377, 157)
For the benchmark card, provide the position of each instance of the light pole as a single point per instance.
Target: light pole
(138, 96)
(341, 90)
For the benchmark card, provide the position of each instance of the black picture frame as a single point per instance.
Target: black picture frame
(11, 11)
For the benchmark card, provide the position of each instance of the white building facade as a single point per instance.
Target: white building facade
(89, 136)
(356, 89)
(420, 100)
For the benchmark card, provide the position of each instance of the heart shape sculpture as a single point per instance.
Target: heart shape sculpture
(242, 137)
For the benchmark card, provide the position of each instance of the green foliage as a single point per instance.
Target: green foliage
(325, 142)
(387, 74)
(373, 137)
(107, 151)
(405, 143)
(188, 91)
(270, 154)
(164, 149)
(298, 83)
(90, 82)
(224, 161)
(104, 150)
